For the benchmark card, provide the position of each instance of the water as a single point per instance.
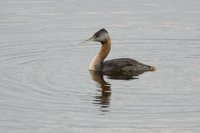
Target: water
(45, 85)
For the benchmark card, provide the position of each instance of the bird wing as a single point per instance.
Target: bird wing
(124, 65)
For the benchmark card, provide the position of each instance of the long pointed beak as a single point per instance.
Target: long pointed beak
(88, 40)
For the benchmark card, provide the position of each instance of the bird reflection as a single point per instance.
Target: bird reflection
(117, 76)
(103, 99)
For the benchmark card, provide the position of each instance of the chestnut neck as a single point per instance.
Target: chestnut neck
(96, 62)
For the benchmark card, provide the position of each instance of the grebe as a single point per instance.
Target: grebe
(120, 66)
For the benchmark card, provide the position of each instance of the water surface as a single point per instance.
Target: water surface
(45, 85)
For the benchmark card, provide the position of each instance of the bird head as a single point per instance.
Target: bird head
(100, 36)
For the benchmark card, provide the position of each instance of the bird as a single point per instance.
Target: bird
(117, 67)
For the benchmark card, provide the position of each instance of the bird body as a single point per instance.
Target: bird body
(125, 66)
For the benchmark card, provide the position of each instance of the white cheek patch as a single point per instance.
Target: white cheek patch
(103, 37)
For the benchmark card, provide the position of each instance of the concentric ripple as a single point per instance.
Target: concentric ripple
(45, 85)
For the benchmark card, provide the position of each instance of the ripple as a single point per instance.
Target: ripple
(45, 85)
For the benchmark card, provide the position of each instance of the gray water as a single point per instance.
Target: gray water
(45, 85)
